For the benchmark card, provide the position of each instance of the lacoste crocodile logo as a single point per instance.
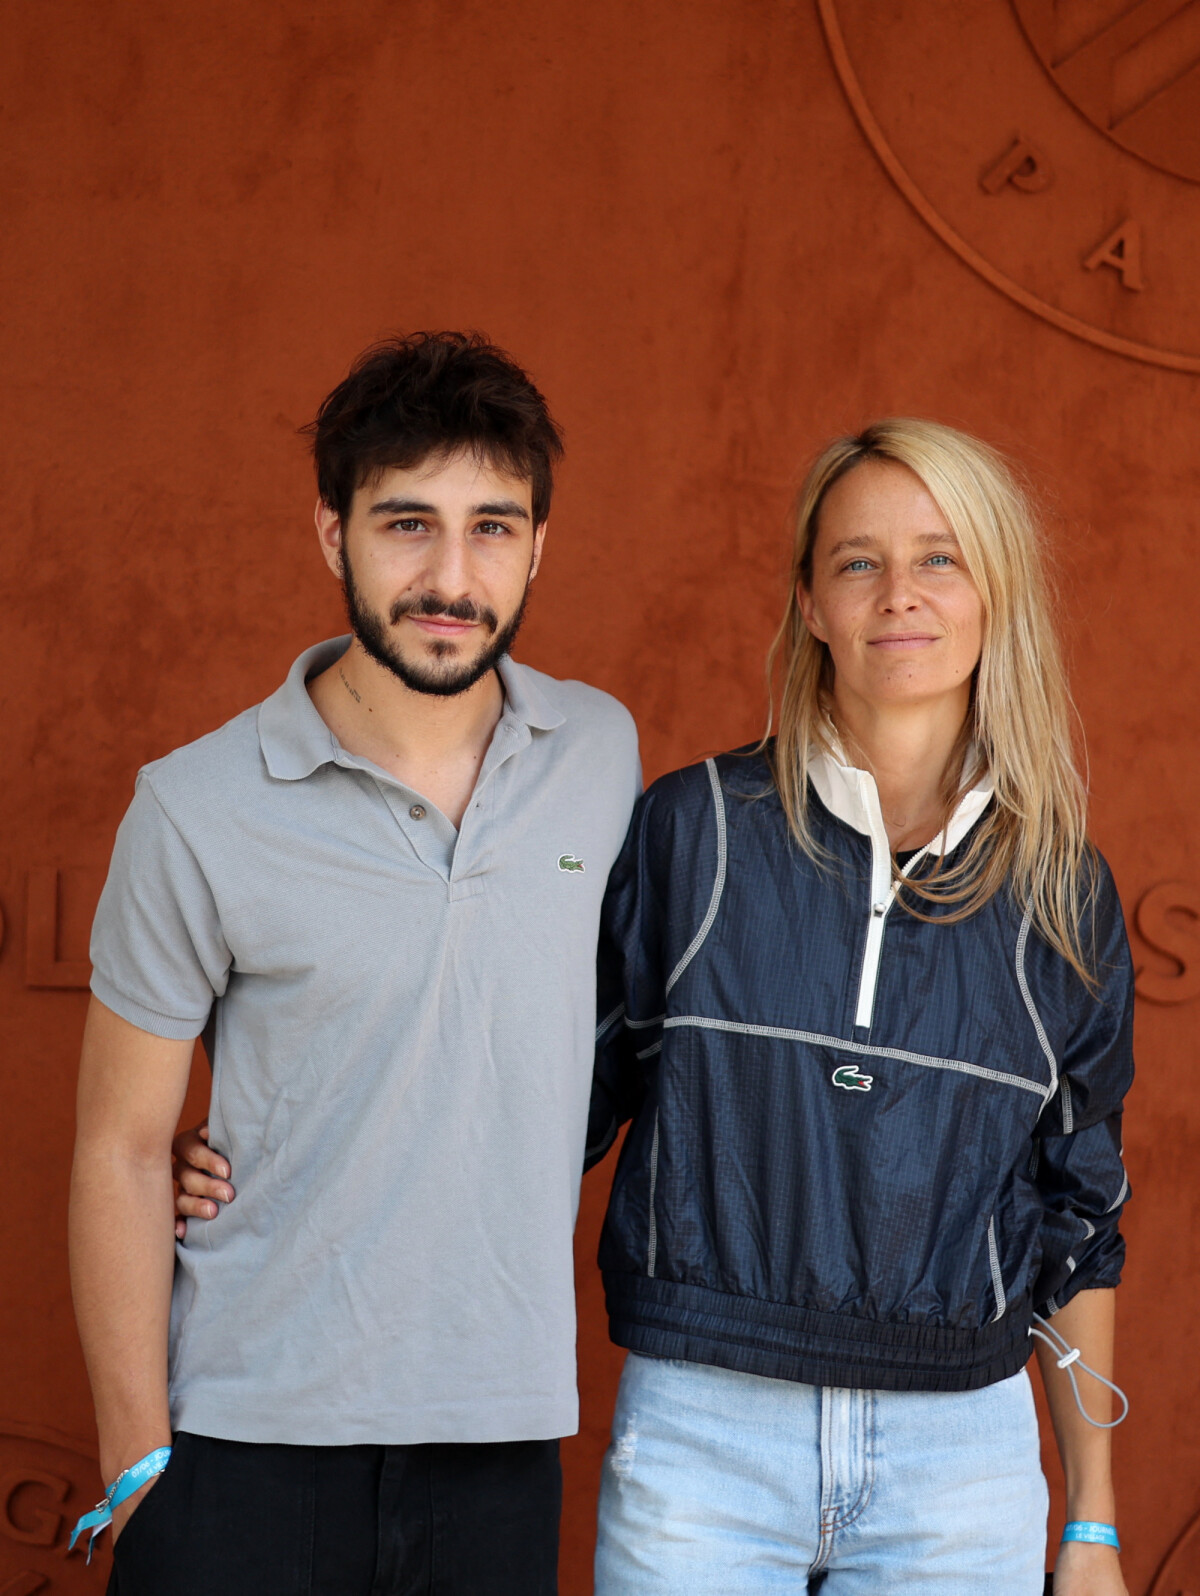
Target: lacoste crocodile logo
(848, 1076)
(568, 861)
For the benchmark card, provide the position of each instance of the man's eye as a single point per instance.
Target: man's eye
(858, 565)
(492, 528)
(408, 524)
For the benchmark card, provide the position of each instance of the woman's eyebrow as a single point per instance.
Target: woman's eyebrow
(862, 541)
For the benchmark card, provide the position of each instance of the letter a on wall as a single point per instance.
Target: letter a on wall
(1122, 250)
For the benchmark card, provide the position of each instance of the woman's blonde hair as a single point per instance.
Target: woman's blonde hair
(1033, 836)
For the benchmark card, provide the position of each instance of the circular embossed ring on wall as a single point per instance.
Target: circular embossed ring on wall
(1134, 72)
(983, 85)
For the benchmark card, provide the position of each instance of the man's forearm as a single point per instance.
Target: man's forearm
(122, 1263)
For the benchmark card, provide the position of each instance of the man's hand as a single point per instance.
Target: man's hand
(1086, 1570)
(124, 1512)
(203, 1177)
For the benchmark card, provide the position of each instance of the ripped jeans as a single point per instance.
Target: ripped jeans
(726, 1484)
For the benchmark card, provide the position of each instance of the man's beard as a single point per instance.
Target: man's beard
(443, 680)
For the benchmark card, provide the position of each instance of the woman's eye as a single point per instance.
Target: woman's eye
(940, 560)
(858, 565)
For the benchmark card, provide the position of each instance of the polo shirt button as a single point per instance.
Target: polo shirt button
(417, 811)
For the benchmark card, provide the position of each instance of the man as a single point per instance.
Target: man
(376, 895)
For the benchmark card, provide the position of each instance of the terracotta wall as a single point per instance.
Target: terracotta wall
(716, 233)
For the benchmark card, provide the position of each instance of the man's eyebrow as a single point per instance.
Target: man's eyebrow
(505, 507)
(402, 507)
(508, 507)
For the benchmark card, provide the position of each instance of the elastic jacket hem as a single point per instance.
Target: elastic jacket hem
(668, 1319)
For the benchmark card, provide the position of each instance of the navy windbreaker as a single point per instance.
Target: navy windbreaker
(864, 1148)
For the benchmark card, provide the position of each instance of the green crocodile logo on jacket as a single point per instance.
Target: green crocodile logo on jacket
(568, 861)
(849, 1076)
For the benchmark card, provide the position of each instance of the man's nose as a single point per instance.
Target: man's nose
(447, 572)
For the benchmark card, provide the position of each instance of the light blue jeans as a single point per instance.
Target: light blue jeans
(724, 1484)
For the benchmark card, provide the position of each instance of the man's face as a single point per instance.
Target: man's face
(436, 561)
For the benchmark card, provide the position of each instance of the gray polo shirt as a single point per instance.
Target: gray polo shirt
(400, 1019)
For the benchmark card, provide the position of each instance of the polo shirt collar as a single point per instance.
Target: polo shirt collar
(524, 699)
(296, 741)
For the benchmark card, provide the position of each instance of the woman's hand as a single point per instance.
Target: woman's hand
(202, 1176)
(1086, 1570)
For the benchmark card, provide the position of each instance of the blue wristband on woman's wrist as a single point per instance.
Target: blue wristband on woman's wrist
(1083, 1529)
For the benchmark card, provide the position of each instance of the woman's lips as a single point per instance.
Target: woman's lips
(903, 640)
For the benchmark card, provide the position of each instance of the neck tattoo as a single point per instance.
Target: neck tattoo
(354, 693)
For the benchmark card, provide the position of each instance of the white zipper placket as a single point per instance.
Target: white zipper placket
(883, 894)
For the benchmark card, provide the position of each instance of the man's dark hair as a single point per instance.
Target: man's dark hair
(433, 393)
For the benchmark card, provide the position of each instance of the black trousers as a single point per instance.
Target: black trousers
(240, 1519)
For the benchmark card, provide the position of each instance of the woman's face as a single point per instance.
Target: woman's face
(890, 595)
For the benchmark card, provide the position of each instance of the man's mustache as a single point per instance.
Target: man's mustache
(463, 609)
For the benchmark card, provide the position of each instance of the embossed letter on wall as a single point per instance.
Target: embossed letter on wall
(59, 910)
(46, 1482)
(1168, 921)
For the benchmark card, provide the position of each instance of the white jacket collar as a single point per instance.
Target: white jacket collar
(852, 796)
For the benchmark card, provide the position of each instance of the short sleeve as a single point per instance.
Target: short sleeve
(159, 957)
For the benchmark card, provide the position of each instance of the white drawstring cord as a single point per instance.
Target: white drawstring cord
(1066, 1356)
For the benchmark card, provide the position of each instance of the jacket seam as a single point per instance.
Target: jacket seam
(714, 901)
(816, 1039)
(609, 1021)
(1031, 1006)
(652, 1223)
(997, 1277)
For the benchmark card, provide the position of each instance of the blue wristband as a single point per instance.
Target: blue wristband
(1084, 1529)
(122, 1488)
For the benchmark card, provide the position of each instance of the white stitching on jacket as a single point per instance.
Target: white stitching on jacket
(839, 1044)
(1022, 939)
(652, 1227)
(997, 1277)
(610, 1020)
(697, 941)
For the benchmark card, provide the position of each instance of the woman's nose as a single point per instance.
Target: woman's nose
(899, 591)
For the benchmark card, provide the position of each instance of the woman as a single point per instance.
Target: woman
(867, 1000)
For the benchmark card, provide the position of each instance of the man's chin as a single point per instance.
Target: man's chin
(440, 678)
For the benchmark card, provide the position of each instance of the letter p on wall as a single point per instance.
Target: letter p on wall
(1023, 166)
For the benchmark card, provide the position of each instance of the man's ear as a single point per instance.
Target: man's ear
(539, 539)
(808, 612)
(329, 535)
